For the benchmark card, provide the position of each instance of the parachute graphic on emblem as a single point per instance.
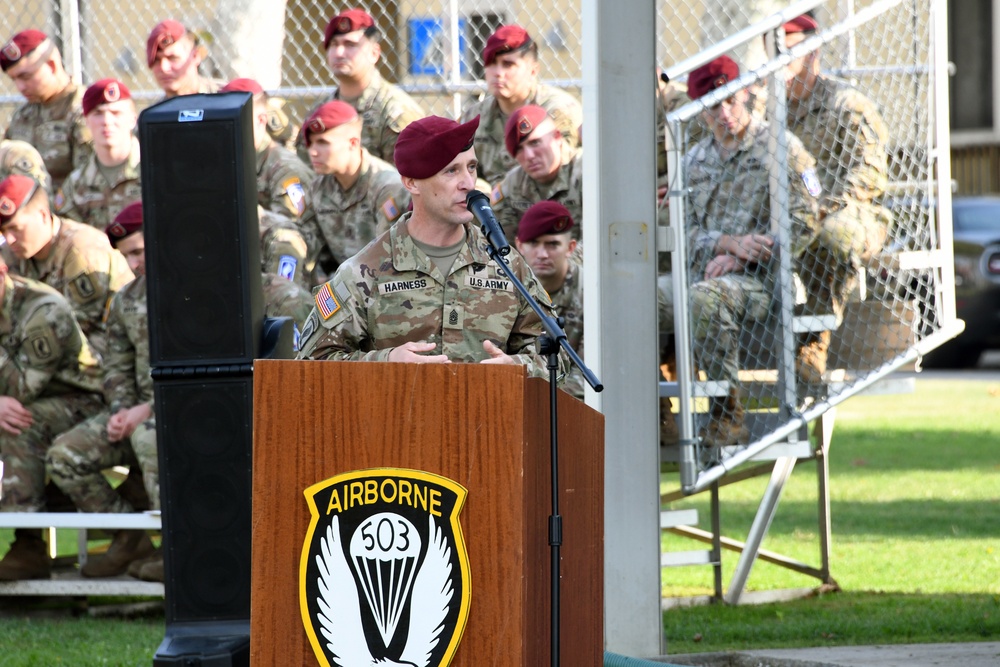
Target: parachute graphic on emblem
(384, 551)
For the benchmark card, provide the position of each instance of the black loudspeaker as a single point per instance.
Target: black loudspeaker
(205, 425)
(202, 236)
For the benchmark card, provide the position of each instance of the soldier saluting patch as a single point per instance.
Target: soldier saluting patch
(384, 574)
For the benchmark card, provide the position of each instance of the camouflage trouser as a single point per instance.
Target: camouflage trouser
(719, 307)
(829, 267)
(24, 455)
(77, 457)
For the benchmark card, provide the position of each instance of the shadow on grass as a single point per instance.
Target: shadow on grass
(837, 619)
(924, 518)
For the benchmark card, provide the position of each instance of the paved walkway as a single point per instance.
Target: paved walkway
(978, 654)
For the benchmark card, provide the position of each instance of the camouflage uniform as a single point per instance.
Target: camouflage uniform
(392, 293)
(206, 86)
(281, 180)
(518, 191)
(47, 365)
(844, 131)
(349, 220)
(494, 160)
(78, 456)
(731, 196)
(83, 266)
(286, 299)
(385, 109)
(87, 195)
(57, 130)
(20, 157)
(568, 304)
(284, 250)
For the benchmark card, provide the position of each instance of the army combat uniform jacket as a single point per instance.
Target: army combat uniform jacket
(20, 157)
(87, 195)
(57, 130)
(518, 192)
(391, 293)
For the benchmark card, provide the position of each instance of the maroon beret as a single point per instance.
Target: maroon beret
(328, 116)
(345, 22)
(545, 217)
(103, 92)
(522, 123)
(428, 145)
(128, 221)
(507, 38)
(803, 23)
(15, 191)
(242, 86)
(711, 75)
(164, 34)
(19, 46)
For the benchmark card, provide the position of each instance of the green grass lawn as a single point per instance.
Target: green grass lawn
(915, 487)
(915, 503)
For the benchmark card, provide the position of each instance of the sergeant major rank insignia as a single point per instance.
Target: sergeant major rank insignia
(384, 575)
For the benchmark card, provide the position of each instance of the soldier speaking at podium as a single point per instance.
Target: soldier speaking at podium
(426, 290)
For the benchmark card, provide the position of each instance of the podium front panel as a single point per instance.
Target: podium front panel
(482, 427)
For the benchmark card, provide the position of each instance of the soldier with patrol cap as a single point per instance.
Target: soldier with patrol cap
(426, 290)
(547, 168)
(124, 432)
(73, 258)
(732, 250)
(49, 381)
(20, 157)
(283, 189)
(174, 54)
(352, 44)
(846, 134)
(109, 181)
(510, 61)
(52, 119)
(545, 242)
(358, 196)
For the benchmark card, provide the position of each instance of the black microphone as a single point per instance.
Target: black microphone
(479, 205)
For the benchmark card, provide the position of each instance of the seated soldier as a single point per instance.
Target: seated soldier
(71, 257)
(544, 240)
(353, 48)
(731, 248)
(174, 54)
(49, 381)
(125, 431)
(282, 188)
(51, 119)
(98, 191)
(547, 168)
(358, 196)
(510, 61)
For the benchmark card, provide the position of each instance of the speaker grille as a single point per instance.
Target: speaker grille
(205, 431)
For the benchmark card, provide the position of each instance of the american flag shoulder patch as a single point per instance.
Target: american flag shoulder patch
(389, 209)
(326, 302)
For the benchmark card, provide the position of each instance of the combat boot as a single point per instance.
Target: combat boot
(28, 557)
(127, 546)
(152, 570)
(726, 423)
(136, 566)
(810, 361)
(669, 433)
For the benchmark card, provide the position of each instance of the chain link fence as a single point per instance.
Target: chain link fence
(894, 294)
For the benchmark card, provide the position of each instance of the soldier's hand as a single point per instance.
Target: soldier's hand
(723, 264)
(751, 247)
(414, 352)
(14, 417)
(497, 356)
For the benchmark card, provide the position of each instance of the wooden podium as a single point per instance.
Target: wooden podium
(485, 427)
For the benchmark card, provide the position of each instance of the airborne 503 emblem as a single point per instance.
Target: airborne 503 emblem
(384, 575)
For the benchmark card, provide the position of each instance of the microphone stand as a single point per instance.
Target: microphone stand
(549, 344)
